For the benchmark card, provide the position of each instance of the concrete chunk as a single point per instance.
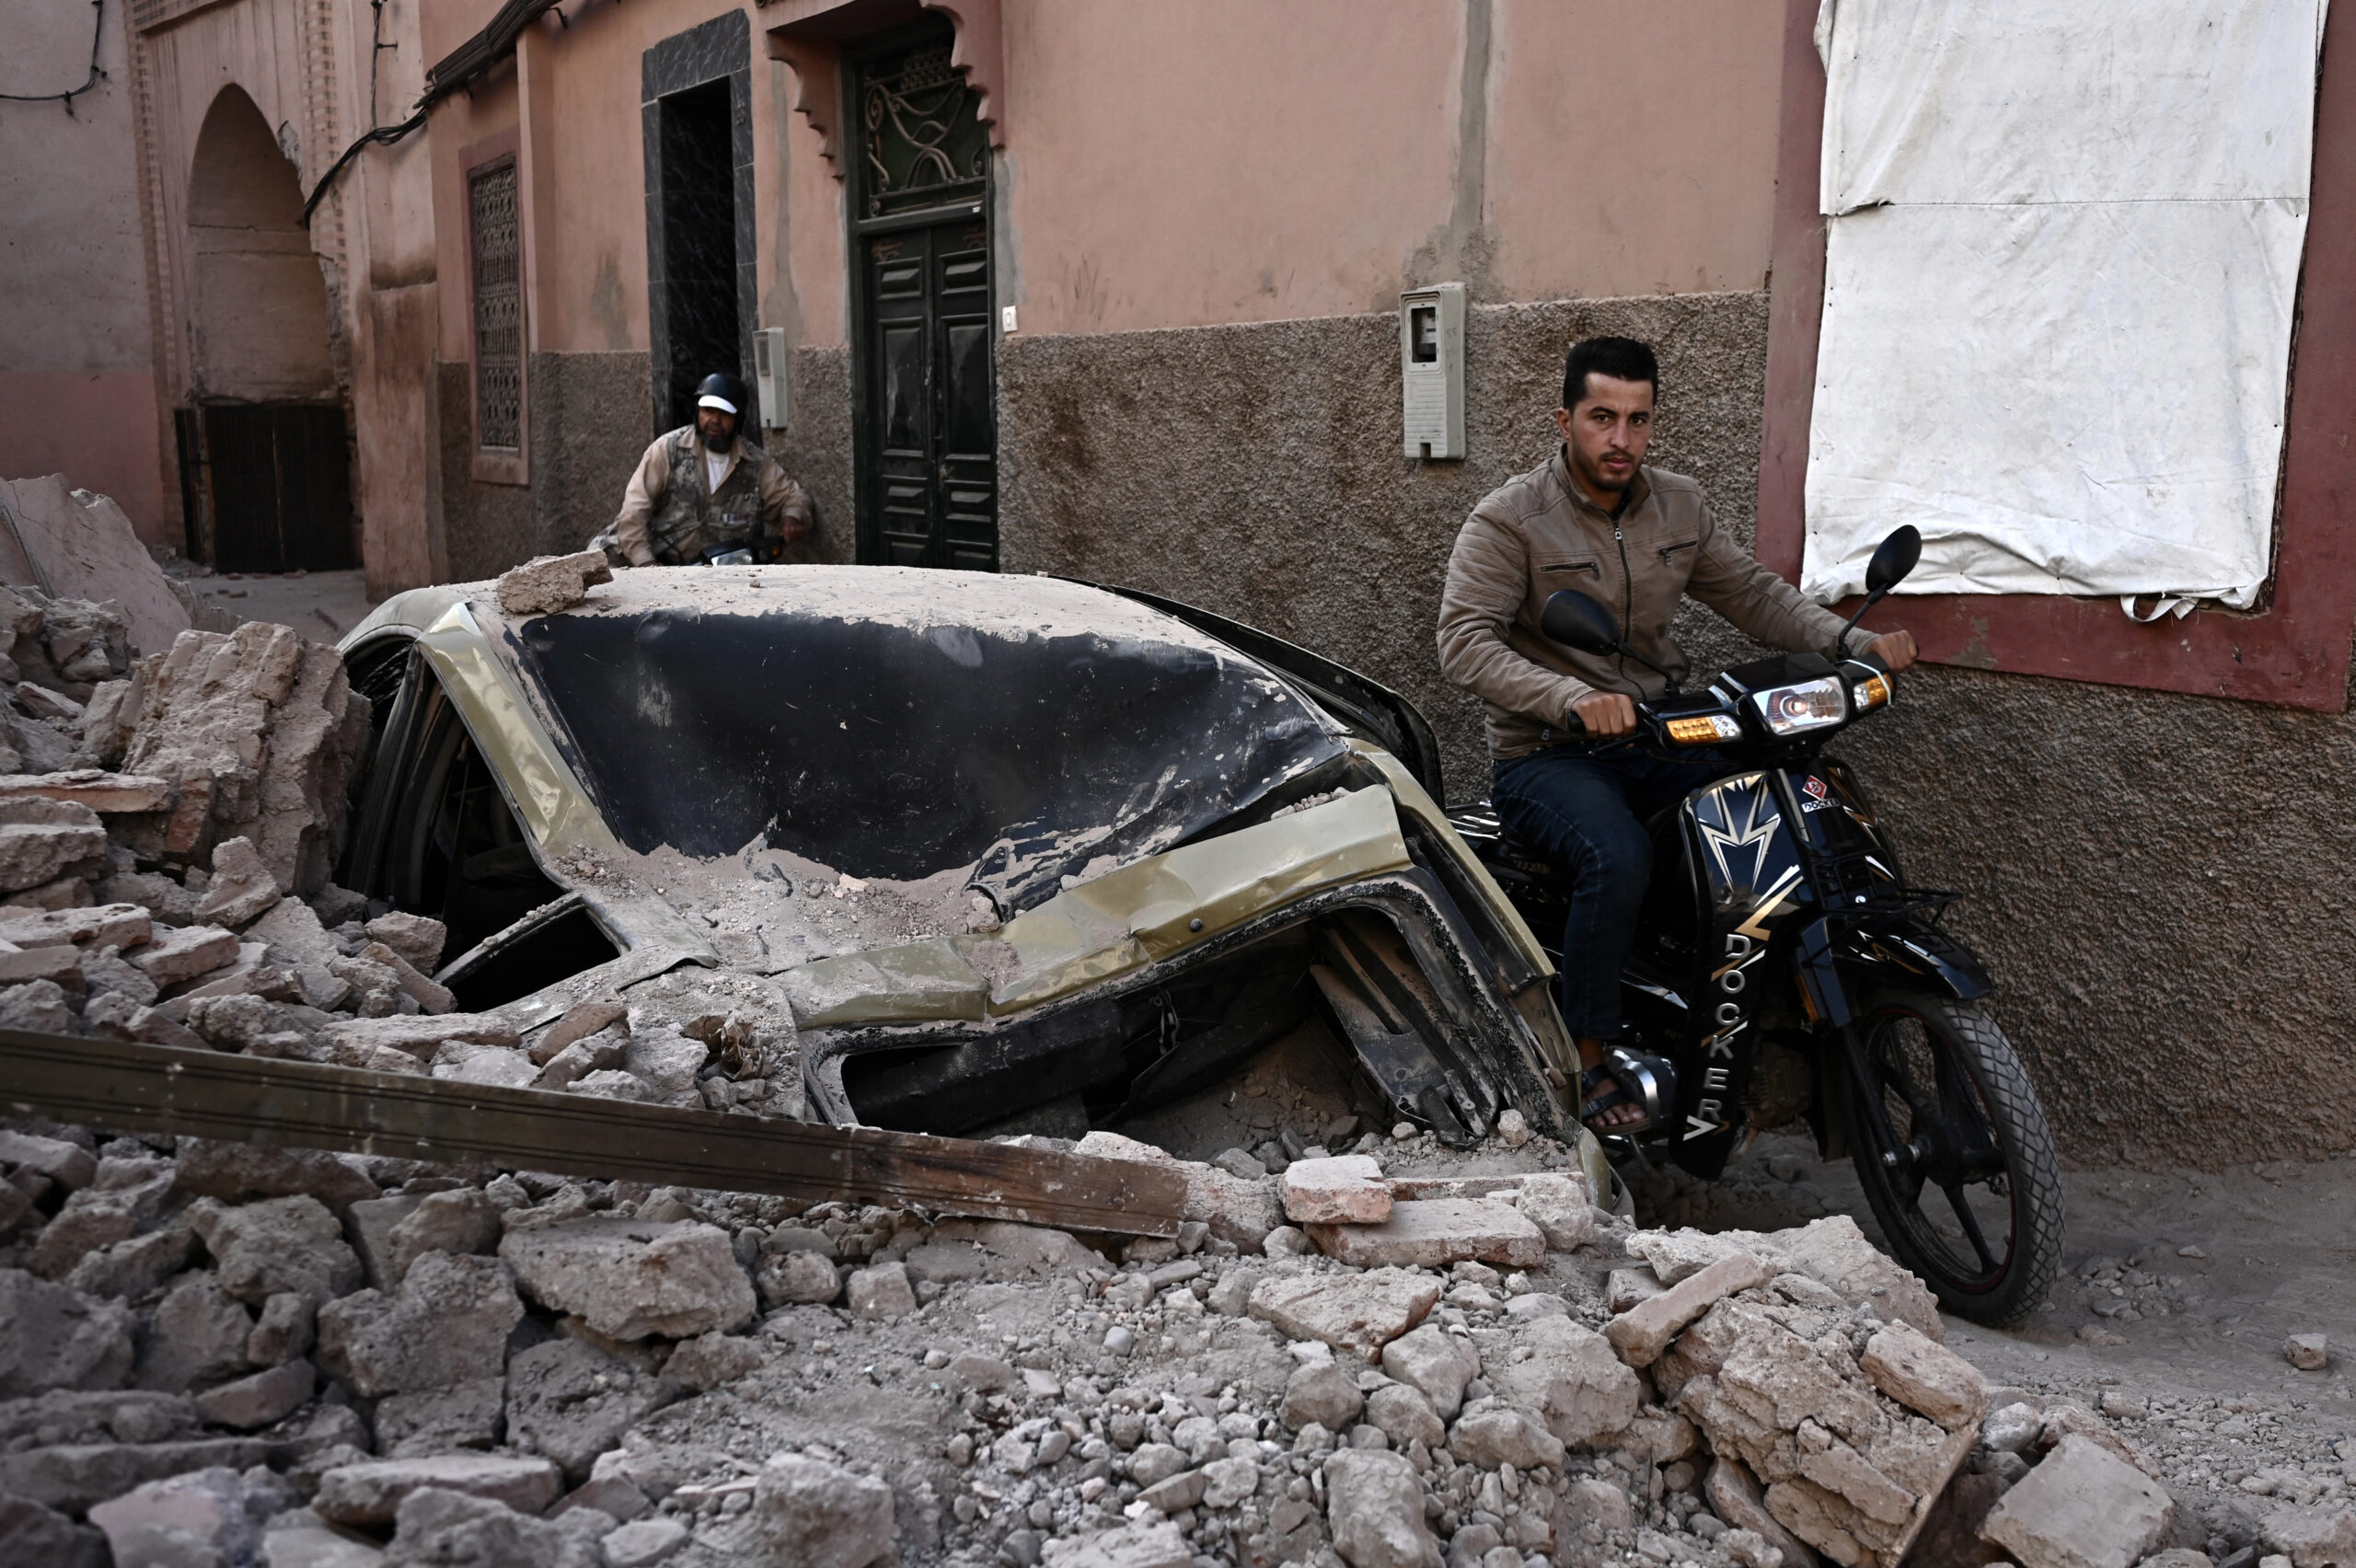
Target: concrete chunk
(883, 1291)
(1504, 1438)
(1436, 1232)
(183, 952)
(98, 791)
(815, 1515)
(242, 889)
(67, 1164)
(203, 1517)
(1562, 1207)
(1572, 1381)
(41, 840)
(545, 584)
(2083, 1507)
(1345, 1190)
(448, 1324)
(1359, 1313)
(370, 1494)
(71, 1477)
(418, 1036)
(279, 1244)
(1832, 1252)
(1374, 1506)
(1925, 1377)
(1433, 1362)
(53, 1337)
(1157, 1545)
(1641, 1332)
(1323, 1393)
(260, 1399)
(573, 1402)
(629, 1279)
(95, 925)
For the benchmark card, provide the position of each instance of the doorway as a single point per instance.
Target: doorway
(924, 379)
(698, 242)
(701, 263)
(264, 446)
(278, 481)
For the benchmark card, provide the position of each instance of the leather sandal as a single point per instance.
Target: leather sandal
(1593, 1104)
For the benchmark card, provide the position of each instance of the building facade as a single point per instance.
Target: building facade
(1113, 291)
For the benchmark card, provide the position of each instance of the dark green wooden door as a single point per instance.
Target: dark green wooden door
(934, 446)
(927, 425)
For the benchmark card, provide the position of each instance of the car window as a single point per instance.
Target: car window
(436, 837)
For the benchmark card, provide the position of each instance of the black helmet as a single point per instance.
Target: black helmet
(725, 392)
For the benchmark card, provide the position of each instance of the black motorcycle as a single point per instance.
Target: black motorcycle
(1782, 967)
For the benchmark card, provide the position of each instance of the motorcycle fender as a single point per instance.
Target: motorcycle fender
(1908, 959)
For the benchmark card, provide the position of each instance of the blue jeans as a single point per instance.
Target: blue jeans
(1585, 812)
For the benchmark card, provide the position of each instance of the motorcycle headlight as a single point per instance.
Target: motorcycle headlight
(1811, 705)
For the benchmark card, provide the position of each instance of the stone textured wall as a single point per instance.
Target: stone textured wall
(590, 424)
(485, 529)
(2156, 881)
(1256, 469)
(815, 449)
(2159, 884)
(591, 420)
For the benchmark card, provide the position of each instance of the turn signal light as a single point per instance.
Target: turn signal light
(1706, 731)
(1871, 693)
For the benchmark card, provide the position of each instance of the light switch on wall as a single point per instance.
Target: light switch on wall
(1006, 318)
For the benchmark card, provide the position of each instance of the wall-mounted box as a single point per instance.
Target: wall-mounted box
(769, 358)
(1431, 370)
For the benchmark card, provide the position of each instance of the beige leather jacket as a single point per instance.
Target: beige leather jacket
(1538, 533)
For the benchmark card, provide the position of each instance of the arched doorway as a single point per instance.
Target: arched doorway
(265, 454)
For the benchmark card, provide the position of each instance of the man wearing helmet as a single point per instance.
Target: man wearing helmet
(701, 493)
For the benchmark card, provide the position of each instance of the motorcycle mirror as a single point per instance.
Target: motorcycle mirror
(1577, 621)
(1893, 559)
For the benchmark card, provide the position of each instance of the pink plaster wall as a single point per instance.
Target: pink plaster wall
(97, 428)
(1224, 160)
(76, 394)
(1229, 160)
(1632, 149)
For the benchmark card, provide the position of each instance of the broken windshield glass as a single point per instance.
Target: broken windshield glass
(897, 746)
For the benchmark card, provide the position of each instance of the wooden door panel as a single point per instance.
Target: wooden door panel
(280, 485)
(929, 458)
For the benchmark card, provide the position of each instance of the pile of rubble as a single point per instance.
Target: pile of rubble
(168, 829)
(212, 1352)
(217, 1354)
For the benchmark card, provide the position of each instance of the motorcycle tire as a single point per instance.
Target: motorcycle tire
(1961, 1146)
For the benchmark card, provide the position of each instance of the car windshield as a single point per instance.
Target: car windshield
(894, 723)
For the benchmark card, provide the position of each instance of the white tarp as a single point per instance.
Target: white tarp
(2062, 256)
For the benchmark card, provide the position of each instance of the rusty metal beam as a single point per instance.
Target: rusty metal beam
(156, 1089)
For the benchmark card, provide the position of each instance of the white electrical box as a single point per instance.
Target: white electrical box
(1431, 370)
(769, 360)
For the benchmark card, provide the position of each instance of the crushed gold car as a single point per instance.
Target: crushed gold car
(1014, 852)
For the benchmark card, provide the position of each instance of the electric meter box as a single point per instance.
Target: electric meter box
(768, 374)
(1431, 370)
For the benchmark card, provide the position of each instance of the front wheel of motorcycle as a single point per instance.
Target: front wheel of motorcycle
(1953, 1150)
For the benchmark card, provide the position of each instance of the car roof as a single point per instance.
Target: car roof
(1005, 604)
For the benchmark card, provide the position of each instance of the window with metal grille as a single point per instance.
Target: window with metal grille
(499, 307)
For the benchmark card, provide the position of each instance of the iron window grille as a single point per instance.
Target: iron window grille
(499, 307)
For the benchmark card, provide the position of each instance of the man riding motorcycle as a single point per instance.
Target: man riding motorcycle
(1595, 518)
(701, 491)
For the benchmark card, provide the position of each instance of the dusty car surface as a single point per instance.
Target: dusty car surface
(997, 846)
